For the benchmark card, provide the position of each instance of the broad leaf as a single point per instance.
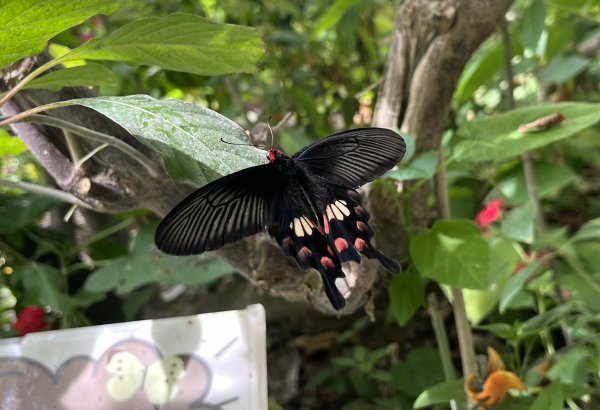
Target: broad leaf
(519, 223)
(407, 294)
(533, 24)
(453, 252)
(147, 264)
(188, 136)
(88, 75)
(494, 138)
(27, 25)
(442, 393)
(179, 42)
(422, 167)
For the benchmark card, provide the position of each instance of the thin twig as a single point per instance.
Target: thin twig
(91, 135)
(441, 337)
(46, 191)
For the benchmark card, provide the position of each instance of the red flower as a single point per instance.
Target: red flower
(32, 319)
(490, 213)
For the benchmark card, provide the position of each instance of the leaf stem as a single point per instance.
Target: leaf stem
(11, 93)
(46, 191)
(441, 336)
(83, 132)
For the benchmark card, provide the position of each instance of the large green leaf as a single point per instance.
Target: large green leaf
(88, 75)
(27, 25)
(533, 24)
(453, 252)
(493, 138)
(146, 264)
(188, 136)
(179, 42)
(18, 211)
(407, 294)
(486, 62)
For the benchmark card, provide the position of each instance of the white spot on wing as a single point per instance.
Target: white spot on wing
(342, 207)
(306, 224)
(298, 228)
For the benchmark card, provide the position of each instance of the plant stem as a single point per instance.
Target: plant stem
(463, 329)
(83, 132)
(11, 93)
(441, 337)
(45, 191)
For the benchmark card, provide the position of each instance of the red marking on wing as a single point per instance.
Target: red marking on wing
(329, 250)
(341, 244)
(271, 155)
(362, 226)
(326, 224)
(305, 253)
(360, 244)
(287, 242)
(327, 263)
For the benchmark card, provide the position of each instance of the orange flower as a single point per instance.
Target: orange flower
(491, 390)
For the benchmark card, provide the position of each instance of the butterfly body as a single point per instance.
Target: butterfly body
(307, 202)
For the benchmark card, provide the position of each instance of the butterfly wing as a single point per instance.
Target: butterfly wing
(223, 211)
(352, 158)
(348, 232)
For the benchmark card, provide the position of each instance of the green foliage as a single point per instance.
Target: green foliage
(201, 46)
(495, 138)
(454, 253)
(188, 136)
(33, 23)
(145, 264)
(88, 75)
(524, 287)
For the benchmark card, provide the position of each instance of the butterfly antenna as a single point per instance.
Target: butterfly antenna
(270, 130)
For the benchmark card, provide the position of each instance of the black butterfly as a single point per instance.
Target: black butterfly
(307, 202)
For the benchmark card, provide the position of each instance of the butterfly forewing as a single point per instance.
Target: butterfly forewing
(223, 211)
(353, 158)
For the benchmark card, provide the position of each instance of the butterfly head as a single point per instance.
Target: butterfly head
(275, 155)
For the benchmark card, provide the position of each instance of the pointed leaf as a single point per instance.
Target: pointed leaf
(514, 285)
(494, 138)
(27, 25)
(179, 42)
(188, 136)
(147, 264)
(407, 294)
(551, 398)
(441, 393)
(519, 223)
(589, 231)
(88, 75)
(453, 252)
(422, 167)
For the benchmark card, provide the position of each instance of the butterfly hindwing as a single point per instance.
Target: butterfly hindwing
(300, 237)
(352, 158)
(348, 232)
(223, 211)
